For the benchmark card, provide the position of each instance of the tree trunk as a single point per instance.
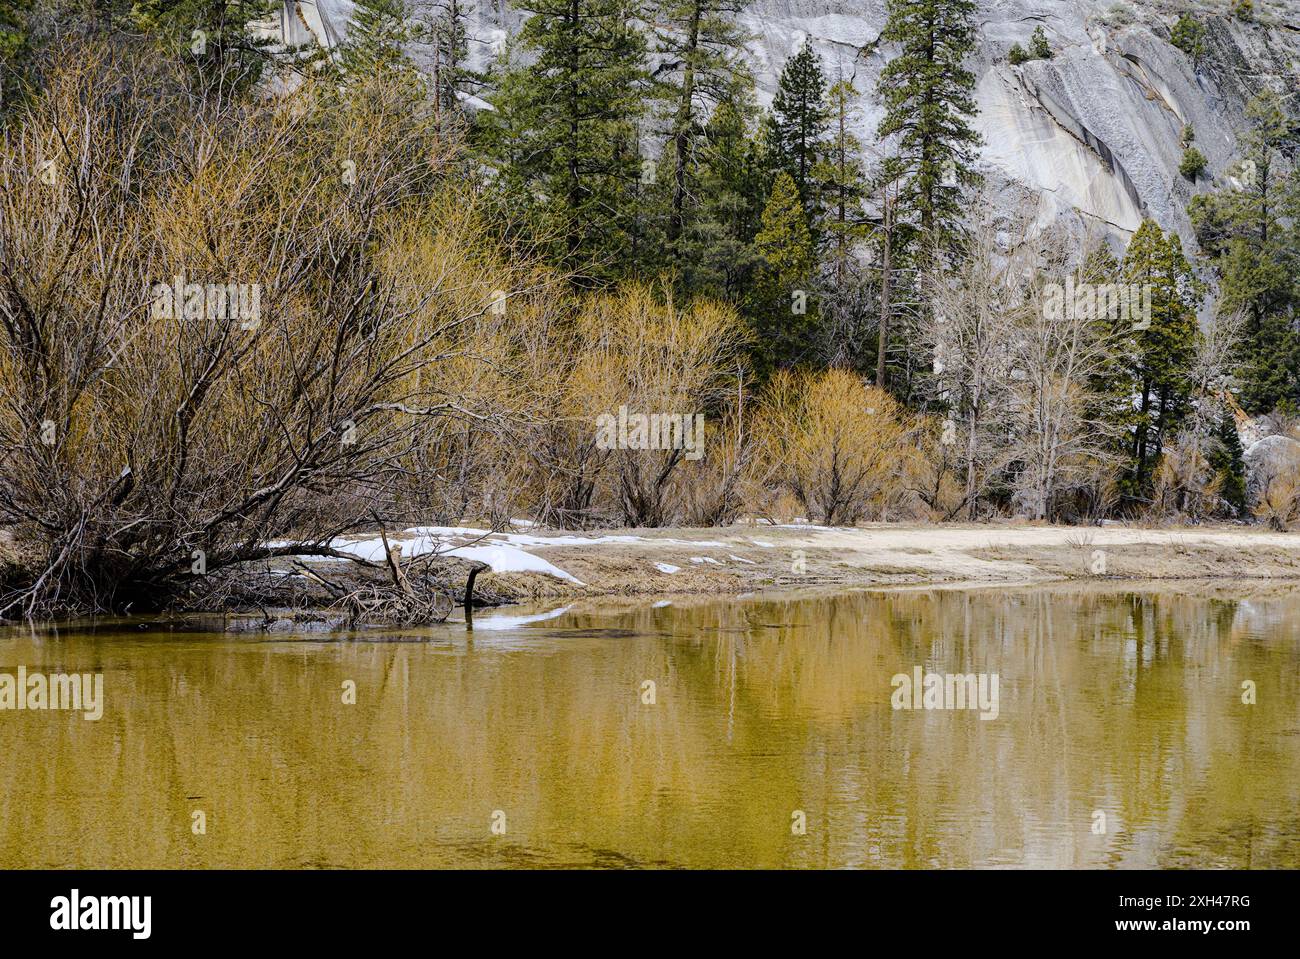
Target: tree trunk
(970, 460)
(575, 182)
(682, 129)
(886, 287)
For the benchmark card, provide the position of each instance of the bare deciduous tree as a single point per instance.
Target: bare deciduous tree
(148, 445)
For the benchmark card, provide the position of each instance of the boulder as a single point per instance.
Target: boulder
(1267, 458)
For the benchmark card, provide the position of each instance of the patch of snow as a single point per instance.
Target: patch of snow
(662, 603)
(705, 559)
(667, 568)
(762, 543)
(529, 539)
(741, 559)
(524, 539)
(508, 559)
(500, 558)
(446, 531)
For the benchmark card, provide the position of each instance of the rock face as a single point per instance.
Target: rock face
(1267, 459)
(1094, 133)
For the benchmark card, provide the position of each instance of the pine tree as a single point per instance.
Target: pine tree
(564, 132)
(1039, 48)
(799, 121)
(780, 305)
(928, 104)
(448, 36)
(1251, 234)
(1112, 385)
(13, 46)
(719, 258)
(701, 46)
(1193, 163)
(842, 186)
(840, 179)
(1154, 266)
(217, 39)
(889, 233)
(1188, 35)
(1226, 459)
(376, 38)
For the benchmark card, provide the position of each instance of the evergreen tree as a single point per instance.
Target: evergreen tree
(701, 46)
(842, 185)
(799, 121)
(1226, 460)
(1188, 35)
(1251, 234)
(719, 256)
(1039, 48)
(218, 38)
(376, 38)
(1112, 385)
(564, 134)
(928, 104)
(1163, 351)
(13, 46)
(841, 181)
(889, 234)
(1193, 163)
(447, 35)
(780, 305)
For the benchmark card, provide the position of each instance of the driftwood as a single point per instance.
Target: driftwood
(399, 603)
(335, 589)
(381, 604)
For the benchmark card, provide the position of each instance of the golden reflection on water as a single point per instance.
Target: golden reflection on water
(1123, 702)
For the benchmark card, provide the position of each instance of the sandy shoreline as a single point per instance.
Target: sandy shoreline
(747, 558)
(549, 567)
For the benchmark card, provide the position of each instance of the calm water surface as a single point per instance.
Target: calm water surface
(1126, 702)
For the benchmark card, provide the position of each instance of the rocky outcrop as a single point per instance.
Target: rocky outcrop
(1267, 459)
(1095, 132)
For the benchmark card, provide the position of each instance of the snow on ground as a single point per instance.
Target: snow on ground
(509, 559)
(500, 558)
(560, 539)
(953, 553)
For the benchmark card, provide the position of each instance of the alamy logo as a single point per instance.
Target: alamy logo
(83, 692)
(179, 300)
(1093, 301)
(924, 690)
(102, 912)
(652, 431)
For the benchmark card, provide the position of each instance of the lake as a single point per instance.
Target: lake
(768, 738)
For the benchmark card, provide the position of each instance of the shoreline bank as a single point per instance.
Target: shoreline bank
(744, 558)
(524, 565)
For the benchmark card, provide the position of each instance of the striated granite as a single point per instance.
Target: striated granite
(1094, 134)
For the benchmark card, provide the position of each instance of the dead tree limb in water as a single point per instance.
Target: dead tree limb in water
(474, 569)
